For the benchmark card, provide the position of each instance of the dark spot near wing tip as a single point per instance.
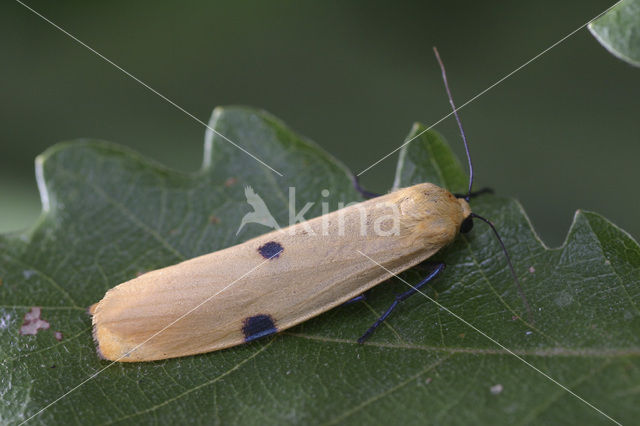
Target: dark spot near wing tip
(258, 326)
(32, 322)
(270, 250)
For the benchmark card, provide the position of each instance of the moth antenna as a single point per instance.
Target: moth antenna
(455, 112)
(513, 271)
(468, 196)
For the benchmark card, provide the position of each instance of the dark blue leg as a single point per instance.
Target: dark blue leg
(399, 298)
(366, 194)
(425, 266)
(360, 298)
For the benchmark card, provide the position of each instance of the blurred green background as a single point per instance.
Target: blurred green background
(561, 134)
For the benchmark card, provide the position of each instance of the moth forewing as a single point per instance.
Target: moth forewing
(278, 280)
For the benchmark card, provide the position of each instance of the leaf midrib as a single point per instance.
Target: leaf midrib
(559, 351)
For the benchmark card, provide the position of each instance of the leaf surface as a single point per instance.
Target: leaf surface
(111, 214)
(619, 31)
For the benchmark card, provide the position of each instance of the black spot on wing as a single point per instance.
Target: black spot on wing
(258, 326)
(270, 250)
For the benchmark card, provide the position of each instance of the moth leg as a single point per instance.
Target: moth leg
(426, 266)
(474, 194)
(439, 267)
(360, 298)
(366, 194)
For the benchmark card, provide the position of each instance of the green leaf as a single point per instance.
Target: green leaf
(111, 214)
(618, 31)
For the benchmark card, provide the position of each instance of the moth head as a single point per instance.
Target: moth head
(467, 225)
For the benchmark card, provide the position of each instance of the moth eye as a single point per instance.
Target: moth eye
(467, 225)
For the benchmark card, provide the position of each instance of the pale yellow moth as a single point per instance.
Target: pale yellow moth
(279, 279)
(298, 273)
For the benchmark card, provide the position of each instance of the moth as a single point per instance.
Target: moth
(280, 279)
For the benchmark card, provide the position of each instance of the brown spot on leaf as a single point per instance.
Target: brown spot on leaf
(32, 322)
(230, 182)
(213, 219)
